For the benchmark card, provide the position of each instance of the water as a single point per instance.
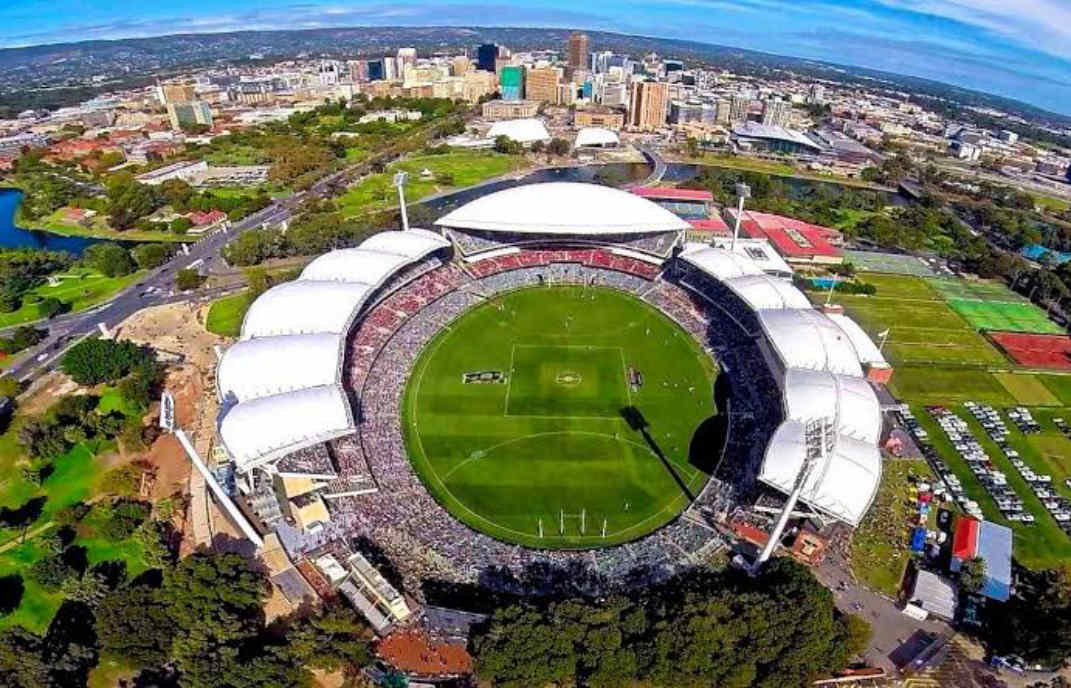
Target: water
(13, 236)
(824, 282)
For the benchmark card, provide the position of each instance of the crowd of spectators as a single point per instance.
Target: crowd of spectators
(473, 242)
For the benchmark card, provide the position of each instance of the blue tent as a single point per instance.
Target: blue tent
(918, 539)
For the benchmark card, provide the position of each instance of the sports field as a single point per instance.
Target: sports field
(566, 410)
(993, 306)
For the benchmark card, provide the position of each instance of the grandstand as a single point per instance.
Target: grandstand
(322, 363)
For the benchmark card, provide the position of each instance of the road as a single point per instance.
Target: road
(657, 162)
(157, 288)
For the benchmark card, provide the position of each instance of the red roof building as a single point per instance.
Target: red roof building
(797, 241)
(713, 224)
(200, 219)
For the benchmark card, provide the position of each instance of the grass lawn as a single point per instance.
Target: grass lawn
(548, 435)
(880, 546)
(465, 167)
(932, 385)
(78, 292)
(99, 228)
(1027, 389)
(225, 315)
(1057, 205)
(1059, 385)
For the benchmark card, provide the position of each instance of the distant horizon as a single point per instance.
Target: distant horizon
(1022, 53)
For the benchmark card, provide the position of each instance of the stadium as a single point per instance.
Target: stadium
(552, 380)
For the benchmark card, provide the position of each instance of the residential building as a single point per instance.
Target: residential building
(495, 110)
(739, 108)
(604, 117)
(578, 51)
(542, 84)
(511, 82)
(13, 145)
(776, 112)
(186, 114)
(648, 104)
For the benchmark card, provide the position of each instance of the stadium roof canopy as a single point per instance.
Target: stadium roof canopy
(304, 307)
(357, 265)
(596, 136)
(719, 263)
(563, 208)
(849, 401)
(864, 345)
(413, 244)
(261, 430)
(808, 339)
(520, 130)
(843, 485)
(763, 291)
(264, 366)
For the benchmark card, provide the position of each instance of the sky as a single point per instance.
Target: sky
(1015, 48)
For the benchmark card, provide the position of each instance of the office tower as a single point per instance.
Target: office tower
(358, 70)
(722, 111)
(578, 50)
(672, 66)
(511, 82)
(186, 114)
(390, 68)
(486, 55)
(776, 112)
(376, 70)
(648, 105)
(739, 107)
(177, 93)
(542, 84)
(459, 65)
(816, 94)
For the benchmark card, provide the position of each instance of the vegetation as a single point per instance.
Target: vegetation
(93, 361)
(188, 279)
(1036, 622)
(706, 629)
(225, 315)
(111, 260)
(22, 270)
(21, 338)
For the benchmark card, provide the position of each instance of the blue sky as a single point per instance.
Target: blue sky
(1016, 48)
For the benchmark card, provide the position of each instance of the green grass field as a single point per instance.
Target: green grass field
(450, 170)
(1027, 389)
(874, 261)
(225, 315)
(78, 292)
(993, 306)
(550, 438)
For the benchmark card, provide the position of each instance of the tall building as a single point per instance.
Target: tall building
(542, 84)
(511, 82)
(186, 114)
(776, 112)
(722, 111)
(390, 68)
(459, 65)
(739, 106)
(177, 93)
(578, 50)
(486, 55)
(406, 59)
(816, 94)
(358, 70)
(648, 104)
(376, 72)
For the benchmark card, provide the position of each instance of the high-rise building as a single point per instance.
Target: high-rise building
(511, 82)
(390, 68)
(186, 114)
(358, 70)
(739, 107)
(486, 55)
(722, 111)
(542, 84)
(578, 50)
(177, 93)
(406, 59)
(816, 94)
(376, 71)
(776, 112)
(459, 65)
(648, 104)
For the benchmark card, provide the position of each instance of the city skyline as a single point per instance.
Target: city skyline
(1023, 52)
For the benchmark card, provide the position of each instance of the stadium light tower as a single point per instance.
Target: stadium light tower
(399, 181)
(817, 443)
(743, 191)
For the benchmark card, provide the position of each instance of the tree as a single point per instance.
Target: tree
(21, 661)
(22, 338)
(187, 279)
(133, 624)
(129, 201)
(11, 589)
(93, 361)
(109, 258)
(972, 574)
(538, 146)
(124, 516)
(558, 146)
(149, 256)
(52, 572)
(181, 225)
(506, 145)
(1036, 622)
(49, 307)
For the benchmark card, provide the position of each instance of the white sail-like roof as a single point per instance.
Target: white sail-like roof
(762, 292)
(304, 307)
(413, 243)
(843, 484)
(864, 345)
(808, 339)
(520, 130)
(563, 208)
(849, 401)
(264, 366)
(261, 430)
(721, 264)
(358, 265)
(596, 136)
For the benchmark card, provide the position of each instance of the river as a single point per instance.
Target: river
(13, 236)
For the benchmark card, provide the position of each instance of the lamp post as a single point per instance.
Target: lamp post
(743, 191)
(399, 181)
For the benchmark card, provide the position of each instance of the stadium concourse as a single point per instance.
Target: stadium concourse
(312, 392)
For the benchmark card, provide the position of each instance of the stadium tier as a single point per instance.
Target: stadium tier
(324, 361)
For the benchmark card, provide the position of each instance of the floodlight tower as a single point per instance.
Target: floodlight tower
(817, 443)
(743, 192)
(399, 181)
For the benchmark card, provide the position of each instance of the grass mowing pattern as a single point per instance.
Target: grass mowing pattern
(501, 456)
(993, 306)
(225, 315)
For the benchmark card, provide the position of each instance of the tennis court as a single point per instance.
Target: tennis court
(976, 290)
(894, 263)
(1036, 350)
(1005, 316)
